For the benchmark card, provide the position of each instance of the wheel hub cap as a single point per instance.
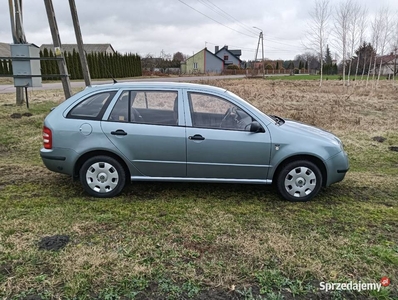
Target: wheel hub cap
(300, 182)
(102, 177)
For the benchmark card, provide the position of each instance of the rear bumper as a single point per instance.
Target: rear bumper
(59, 160)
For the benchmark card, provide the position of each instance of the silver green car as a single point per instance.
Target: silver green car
(111, 134)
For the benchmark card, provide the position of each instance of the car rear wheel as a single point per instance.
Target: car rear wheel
(102, 176)
(299, 181)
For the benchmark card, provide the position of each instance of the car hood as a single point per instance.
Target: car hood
(310, 131)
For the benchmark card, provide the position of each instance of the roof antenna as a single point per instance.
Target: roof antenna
(107, 70)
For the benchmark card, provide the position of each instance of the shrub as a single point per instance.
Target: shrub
(233, 67)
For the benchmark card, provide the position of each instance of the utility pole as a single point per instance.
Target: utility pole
(57, 48)
(18, 37)
(260, 37)
(79, 40)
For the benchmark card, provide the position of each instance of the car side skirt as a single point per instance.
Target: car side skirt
(189, 179)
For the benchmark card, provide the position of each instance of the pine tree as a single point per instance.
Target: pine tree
(300, 66)
(102, 67)
(78, 65)
(8, 65)
(53, 66)
(45, 64)
(328, 66)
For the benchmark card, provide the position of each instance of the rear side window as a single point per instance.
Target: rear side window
(93, 107)
(161, 100)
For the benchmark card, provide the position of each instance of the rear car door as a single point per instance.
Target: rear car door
(146, 127)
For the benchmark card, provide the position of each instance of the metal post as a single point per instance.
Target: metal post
(79, 40)
(18, 22)
(258, 45)
(13, 31)
(18, 37)
(260, 37)
(262, 46)
(57, 48)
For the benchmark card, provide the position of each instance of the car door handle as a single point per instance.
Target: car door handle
(196, 137)
(119, 132)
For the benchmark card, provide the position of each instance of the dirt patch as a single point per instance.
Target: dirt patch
(16, 116)
(393, 148)
(379, 139)
(53, 243)
(32, 297)
(3, 149)
(6, 269)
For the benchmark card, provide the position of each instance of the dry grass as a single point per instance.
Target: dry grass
(178, 240)
(332, 107)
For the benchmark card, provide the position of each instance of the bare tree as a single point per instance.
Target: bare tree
(178, 56)
(317, 33)
(354, 34)
(376, 32)
(308, 57)
(362, 21)
(342, 27)
(395, 46)
(381, 32)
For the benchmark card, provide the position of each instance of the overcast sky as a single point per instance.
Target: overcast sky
(150, 26)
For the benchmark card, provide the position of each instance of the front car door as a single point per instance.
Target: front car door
(219, 142)
(145, 126)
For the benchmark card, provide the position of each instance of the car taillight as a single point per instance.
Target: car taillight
(47, 138)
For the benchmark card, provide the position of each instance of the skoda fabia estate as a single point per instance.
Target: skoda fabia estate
(111, 134)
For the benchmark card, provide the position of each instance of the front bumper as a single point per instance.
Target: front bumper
(337, 166)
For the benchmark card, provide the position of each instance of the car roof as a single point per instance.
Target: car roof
(158, 84)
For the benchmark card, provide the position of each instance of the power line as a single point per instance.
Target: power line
(274, 50)
(226, 15)
(244, 26)
(252, 36)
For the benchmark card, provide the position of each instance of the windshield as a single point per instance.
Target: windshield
(253, 108)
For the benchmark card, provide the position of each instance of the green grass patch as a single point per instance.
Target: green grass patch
(192, 240)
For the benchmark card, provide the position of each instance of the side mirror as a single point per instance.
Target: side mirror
(256, 127)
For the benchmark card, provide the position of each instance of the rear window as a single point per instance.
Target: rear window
(93, 107)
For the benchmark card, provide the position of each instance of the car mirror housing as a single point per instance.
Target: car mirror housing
(256, 127)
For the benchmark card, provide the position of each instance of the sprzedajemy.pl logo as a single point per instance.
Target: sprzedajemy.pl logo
(354, 286)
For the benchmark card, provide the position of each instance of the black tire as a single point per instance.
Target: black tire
(102, 176)
(299, 181)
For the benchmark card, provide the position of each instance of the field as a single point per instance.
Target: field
(207, 241)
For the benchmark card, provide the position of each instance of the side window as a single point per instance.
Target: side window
(120, 112)
(93, 107)
(208, 111)
(155, 107)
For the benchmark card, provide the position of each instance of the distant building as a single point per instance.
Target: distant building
(89, 48)
(5, 50)
(389, 64)
(230, 57)
(202, 62)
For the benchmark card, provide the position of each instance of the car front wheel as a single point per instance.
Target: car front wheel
(299, 181)
(102, 176)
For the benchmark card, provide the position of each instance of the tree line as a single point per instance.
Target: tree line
(5, 67)
(101, 65)
(359, 38)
